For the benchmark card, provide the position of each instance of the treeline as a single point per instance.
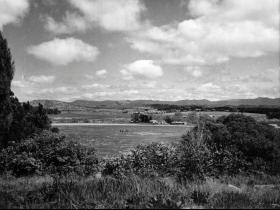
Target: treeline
(140, 118)
(52, 111)
(270, 112)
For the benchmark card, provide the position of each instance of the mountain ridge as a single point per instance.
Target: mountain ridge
(88, 104)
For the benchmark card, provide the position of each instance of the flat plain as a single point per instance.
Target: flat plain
(109, 140)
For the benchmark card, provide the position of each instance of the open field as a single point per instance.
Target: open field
(99, 115)
(109, 140)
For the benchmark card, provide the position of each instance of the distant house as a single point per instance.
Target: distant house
(162, 122)
(154, 122)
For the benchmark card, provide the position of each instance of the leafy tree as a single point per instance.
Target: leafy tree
(168, 120)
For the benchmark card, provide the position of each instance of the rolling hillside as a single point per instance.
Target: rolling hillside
(81, 105)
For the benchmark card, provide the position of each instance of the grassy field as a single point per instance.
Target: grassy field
(108, 140)
(99, 115)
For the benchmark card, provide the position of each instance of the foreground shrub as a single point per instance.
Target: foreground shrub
(48, 153)
(259, 143)
(192, 161)
(151, 160)
(185, 161)
(235, 144)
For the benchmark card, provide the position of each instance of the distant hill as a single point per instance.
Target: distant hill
(63, 106)
(80, 105)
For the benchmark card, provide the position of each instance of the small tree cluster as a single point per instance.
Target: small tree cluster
(140, 118)
(48, 153)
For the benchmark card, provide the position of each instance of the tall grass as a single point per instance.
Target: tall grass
(134, 192)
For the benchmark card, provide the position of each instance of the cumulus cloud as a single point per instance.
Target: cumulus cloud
(71, 22)
(101, 73)
(216, 31)
(64, 51)
(19, 83)
(12, 11)
(195, 71)
(95, 86)
(209, 87)
(111, 15)
(42, 79)
(145, 69)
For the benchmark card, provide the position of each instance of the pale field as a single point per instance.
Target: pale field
(108, 140)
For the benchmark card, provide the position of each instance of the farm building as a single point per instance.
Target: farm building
(154, 122)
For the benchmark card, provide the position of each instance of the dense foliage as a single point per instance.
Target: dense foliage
(140, 118)
(27, 120)
(270, 112)
(48, 153)
(52, 111)
(238, 143)
(145, 160)
(6, 76)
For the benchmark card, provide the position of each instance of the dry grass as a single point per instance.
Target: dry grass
(135, 192)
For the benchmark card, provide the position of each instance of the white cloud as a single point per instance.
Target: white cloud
(95, 86)
(11, 11)
(142, 69)
(42, 79)
(217, 31)
(71, 22)
(89, 76)
(111, 15)
(209, 87)
(19, 83)
(101, 73)
(195, 71)
(64, 51)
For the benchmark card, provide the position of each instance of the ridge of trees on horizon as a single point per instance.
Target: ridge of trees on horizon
(270, 111)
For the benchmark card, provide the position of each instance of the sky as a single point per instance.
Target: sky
(143, 49)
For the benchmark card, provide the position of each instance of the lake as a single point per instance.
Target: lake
(108, 139)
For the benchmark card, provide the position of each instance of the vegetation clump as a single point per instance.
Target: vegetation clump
(48, 153)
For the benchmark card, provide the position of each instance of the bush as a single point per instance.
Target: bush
(145, 160)
(192, 162)
(168, 119)
(257, 142)
(48, 153)
(55, 130)
(232, 145)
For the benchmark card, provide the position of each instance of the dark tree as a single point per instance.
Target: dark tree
(17, 121)
(168, 120)
(6, 76)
